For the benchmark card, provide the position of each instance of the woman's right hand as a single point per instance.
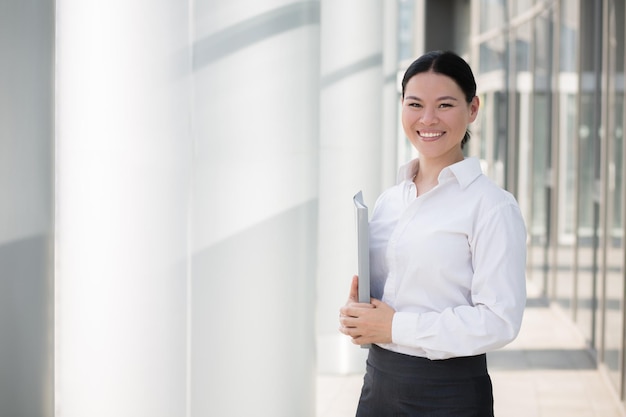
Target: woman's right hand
(353, 301)
(365, 323)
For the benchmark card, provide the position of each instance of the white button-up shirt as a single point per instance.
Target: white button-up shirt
(451, 262)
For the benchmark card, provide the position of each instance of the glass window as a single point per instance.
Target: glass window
(539, 227)
(492, 52)
(569, 33)
(492, 14)
(523, 41)
(405, 29)
(614, 243)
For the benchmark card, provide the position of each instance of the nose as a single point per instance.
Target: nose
(429, 116)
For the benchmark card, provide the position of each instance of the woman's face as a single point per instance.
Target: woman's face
(435, 116)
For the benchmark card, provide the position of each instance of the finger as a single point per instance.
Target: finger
(349, 331)
(347, 322)
(353, 310)
(359, 340)
(354, 289)
(344, 310)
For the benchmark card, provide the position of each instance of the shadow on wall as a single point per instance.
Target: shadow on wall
(26, 328)
(244, 291)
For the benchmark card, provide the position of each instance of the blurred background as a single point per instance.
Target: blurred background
(176, 178)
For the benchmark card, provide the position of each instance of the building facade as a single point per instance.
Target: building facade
(176, 219)
(550, 76)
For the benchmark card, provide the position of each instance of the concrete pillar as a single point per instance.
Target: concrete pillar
(391, 96)
(123, 168)
(350, 159)
(186, 208)
(256, 71)
(26, 208)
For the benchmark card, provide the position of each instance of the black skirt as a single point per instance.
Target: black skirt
(402, 385)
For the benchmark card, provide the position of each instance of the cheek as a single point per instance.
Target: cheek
(457, 122)
(408, 119)
(407, 126)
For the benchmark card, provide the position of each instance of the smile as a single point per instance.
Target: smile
(430, 135)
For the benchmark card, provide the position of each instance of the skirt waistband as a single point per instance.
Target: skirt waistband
(415, 367)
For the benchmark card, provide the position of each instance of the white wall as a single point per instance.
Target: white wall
(256, 70)
(197, 167)
(350, 160)
(186, 207)
(123, 168)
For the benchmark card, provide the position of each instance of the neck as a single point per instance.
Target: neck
(427, 176)
(430, 169)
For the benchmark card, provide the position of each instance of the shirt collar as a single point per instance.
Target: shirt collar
(465, 171)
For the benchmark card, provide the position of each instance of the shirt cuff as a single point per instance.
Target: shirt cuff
(403, 328)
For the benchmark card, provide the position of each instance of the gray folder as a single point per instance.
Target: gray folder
(362, 227)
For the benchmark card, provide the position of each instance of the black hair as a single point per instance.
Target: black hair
(449, 64)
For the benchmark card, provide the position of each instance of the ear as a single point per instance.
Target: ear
(473, 108)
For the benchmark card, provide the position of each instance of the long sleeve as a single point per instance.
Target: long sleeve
(451, 263)
(498, 295)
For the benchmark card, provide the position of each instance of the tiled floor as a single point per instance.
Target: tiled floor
(545, 372)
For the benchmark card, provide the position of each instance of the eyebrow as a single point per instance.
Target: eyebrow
(439, 99)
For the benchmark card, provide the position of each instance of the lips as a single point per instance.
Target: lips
(428, 136)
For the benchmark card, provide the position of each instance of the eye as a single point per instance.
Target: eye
(415, 105)
(445, 105)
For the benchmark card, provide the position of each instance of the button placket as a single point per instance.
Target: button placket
(392, 279)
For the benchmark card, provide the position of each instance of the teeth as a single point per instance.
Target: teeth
(429, 135)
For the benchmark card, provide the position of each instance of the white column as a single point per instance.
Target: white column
(391, 95)
(256, 69)
(350, 159)
(26, 208)
(123, 168)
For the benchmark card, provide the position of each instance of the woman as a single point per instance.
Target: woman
(447, 262)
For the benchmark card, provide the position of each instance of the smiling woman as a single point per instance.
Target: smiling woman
(435, 117)
(449, 248)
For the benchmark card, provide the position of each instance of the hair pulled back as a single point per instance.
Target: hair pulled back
(449, 64)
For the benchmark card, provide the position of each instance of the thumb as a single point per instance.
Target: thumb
(376, 303)
(354, 289)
